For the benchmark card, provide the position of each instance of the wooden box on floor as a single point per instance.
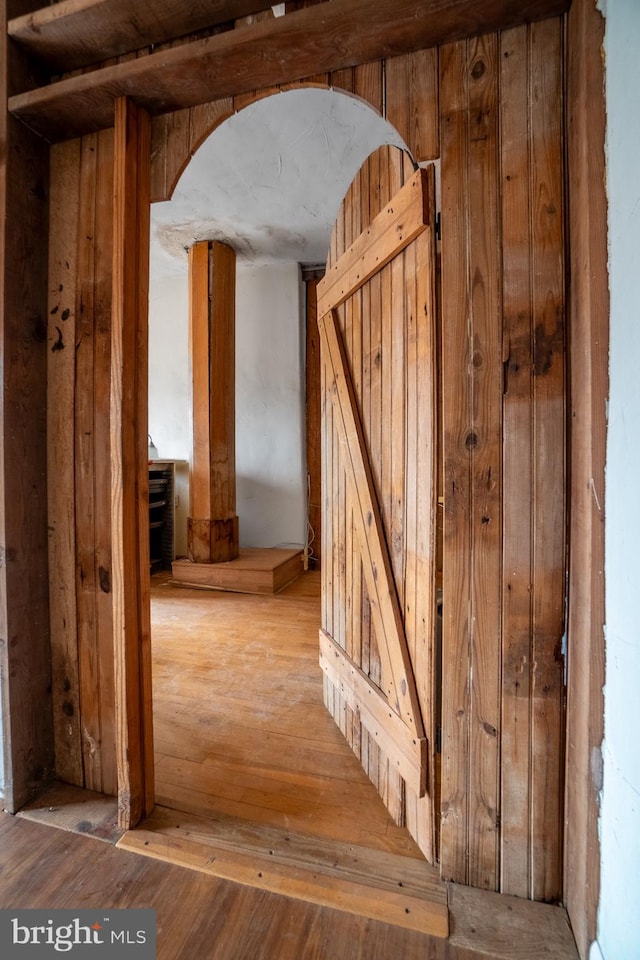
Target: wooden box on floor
(256, 570)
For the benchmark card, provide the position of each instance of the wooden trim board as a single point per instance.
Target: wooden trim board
(75, 33)
(256, 570)
(409, 752)
(404, 891)
(300, 45)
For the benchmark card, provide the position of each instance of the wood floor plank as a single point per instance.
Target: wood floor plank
(243, 727)
(197, 915)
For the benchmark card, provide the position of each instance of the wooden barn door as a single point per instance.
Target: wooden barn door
(376, 314)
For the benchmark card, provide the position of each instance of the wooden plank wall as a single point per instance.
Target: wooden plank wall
(504, 460)
(79, 341)
(25, 663)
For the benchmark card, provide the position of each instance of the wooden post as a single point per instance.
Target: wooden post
(129, 477)
(213, 524)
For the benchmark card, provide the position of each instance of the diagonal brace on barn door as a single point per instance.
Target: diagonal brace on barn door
(401, 696)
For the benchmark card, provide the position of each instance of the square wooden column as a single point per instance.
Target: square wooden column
(213, 524)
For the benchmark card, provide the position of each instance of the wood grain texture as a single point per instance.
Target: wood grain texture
(411, 85)
(504, 476)
(383, 336)
(549, 458)
(25, 665)
(400, 222)
(588, 337)
(518, 462)
(200, 478)
(457, 405)
(129, 488)
(213, 525)
(302, 44)
(200, 915)
(92, 461)
(75, 33)
(61, 361)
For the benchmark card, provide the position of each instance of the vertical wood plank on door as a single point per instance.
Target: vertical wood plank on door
(411, 101)
(86, 586)
(547, 689)
(102, 455)
(425, 510)
(129, 463)
(457, 409)
(61, 357)
(518, 463)
(486, 456)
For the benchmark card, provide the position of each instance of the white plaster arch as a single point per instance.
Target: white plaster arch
(269, 181)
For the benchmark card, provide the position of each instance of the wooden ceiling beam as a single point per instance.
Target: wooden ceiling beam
(77, 33)
(329, 36)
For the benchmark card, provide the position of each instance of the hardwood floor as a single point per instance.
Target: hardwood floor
(244, 742)
(200, 917)
(240, 726)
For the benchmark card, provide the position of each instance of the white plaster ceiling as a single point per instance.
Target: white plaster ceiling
(269, 180)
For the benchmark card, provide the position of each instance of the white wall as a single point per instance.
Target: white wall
(269, 395)
(270, 451)
(619, 915)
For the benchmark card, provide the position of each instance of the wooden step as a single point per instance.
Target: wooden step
(403, 891)
(256, 570)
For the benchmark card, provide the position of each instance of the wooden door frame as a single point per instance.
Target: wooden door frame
(129, 455)
(588, 335)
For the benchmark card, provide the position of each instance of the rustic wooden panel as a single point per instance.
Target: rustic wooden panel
(484, 434)
(411, 84)
(376, 324)
(457, 406)
(81, 32)
(518, 462)
(228, 64)
(549, 455)
(395, 227)
(24, 655)
(504, 479)
(102, 456)
(92, 462)
(129, 487)
(588, 333)
(61, 361)
(85, 507)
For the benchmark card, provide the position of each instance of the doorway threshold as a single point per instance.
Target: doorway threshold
(403, 891)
